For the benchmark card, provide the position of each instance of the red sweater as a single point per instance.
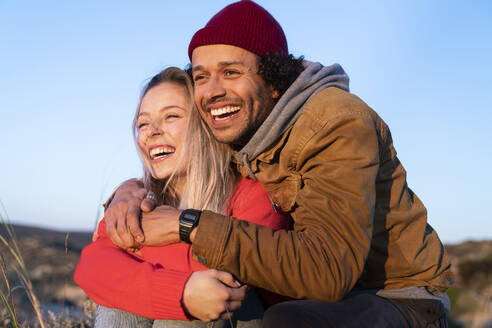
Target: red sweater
(152, 285)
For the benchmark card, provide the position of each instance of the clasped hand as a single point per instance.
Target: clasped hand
(211, 294)
(133, 221)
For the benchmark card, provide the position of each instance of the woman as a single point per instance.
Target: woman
(184, 166)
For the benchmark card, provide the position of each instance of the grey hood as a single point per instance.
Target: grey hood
(312, 80)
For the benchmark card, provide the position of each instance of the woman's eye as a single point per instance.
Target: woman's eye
(171, 116)
(142, 125)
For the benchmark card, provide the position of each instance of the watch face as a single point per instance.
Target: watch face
(187, 221)
(189, 216)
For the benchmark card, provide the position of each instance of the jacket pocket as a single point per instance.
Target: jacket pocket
(284, 194)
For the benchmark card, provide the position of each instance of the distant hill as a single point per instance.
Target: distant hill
(53, 238)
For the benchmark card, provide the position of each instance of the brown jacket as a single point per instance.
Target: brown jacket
(357, 225)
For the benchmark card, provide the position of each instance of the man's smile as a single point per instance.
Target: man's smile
(223, 113)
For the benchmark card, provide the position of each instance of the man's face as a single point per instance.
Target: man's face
(230, 95)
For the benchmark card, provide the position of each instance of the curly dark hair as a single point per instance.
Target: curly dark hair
(189, 70)
(278, 71)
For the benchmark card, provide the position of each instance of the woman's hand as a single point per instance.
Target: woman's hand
(122, 215)
(211, 294)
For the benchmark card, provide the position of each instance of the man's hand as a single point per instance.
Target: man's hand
(210, 294)
(161, 226)
(123, 214)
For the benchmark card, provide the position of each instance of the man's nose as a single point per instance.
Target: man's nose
(214, 88)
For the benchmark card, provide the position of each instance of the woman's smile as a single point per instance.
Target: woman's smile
(159, 153)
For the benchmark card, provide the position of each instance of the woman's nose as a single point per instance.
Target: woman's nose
(155, 128)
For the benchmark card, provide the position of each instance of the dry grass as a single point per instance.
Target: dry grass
(15, 314)
(481, 317)
(20, 268)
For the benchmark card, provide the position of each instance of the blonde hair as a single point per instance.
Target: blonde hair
(210, 178)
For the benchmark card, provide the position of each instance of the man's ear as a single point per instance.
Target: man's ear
(275, 93)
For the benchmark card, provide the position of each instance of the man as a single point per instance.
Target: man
(361, 252)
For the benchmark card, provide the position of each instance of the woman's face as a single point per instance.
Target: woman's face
(161, 124)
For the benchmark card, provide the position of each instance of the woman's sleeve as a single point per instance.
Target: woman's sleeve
(114, 278)
(252, 204)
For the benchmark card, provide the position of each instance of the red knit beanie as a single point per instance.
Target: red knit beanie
(243, 24)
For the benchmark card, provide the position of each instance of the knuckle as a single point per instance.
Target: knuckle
(121, 228)
(226, 316)
(115, 240)
(123, 207)
(109, 217)
(221, 308)
(117, 208)
(224, 294)
(238, 305)
(132, 219)
(134, 212)
(127, 244)
(134, 200)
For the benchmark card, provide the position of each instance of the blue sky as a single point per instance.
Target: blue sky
(71, 73)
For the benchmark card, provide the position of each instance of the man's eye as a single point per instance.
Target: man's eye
(142, 125)
(231, 72)
(198, 77)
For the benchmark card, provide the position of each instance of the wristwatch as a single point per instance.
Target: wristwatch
(187, 221)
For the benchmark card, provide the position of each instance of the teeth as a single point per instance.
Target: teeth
(225, 110)
(161, 150)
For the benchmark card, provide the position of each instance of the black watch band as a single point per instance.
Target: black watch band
(187, 221)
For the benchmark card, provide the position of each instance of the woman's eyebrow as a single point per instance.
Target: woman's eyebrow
(163, 109)
(166, 108)
(142, 114)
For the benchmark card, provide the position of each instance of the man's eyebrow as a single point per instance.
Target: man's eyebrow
(229, 63)
(197, 68)
(221, 64)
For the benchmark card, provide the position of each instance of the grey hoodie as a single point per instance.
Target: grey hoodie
(312, 80)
